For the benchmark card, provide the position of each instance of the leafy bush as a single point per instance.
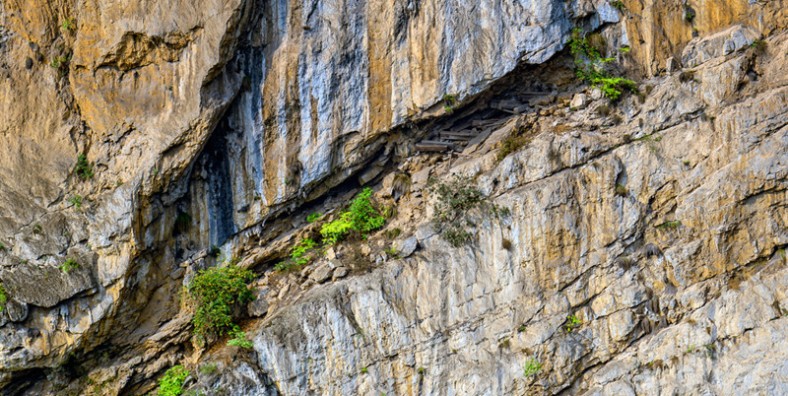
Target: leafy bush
(673, 224)
(68, 265)
(83, 168)
(532, 367)
(361, 217)
(313, 217)
(171, 384)
(449, 101)
(209, 369)
(572, 322)
(591, 67)
(217, 291)
(76, 201)
(69, 24)
(618, 4)
(514, 142)
(299, 255)
(239, 339)
(3, 298)
(455, 200)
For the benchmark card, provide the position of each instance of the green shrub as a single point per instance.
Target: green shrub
(456, 199)
(618, 4)
(2, 247)
(673, 224)
(217, 291)
(171, 384)
(591, 67)
(625, 49)
(362, 217)
(449, 101)
(69, 24)
(689, 14)
(209, 369)
(83, 168)
(76, 201)
(514, 142)
(532, 367)
(3, 298)
(68, 265)
(621, 190)
(299, 255)
(238, 339)
(572, 322)
(313, 217)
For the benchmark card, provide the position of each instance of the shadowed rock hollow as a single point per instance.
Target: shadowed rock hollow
(642, 249)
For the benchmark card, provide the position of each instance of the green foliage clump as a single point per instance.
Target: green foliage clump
(171, 384)
(592, 68)
(689, 14)
(514, 142)
(83, 168)
(532, 367)
(673, 224)
(76, 201)
(217, 291)
(362, 217)
(3, 298)
(456, 199)
(68, 265)
(313, 217)
(69, 24)
(572, 322)
(621, 190)
(299, 255)
(209, 369)
(238, 339)
(618, 4)
(2, 247)
(449, 101)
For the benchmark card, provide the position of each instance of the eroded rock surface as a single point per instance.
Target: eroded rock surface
(211, 129)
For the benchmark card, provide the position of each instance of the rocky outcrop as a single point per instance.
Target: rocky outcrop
(220, 124)
(663, 237)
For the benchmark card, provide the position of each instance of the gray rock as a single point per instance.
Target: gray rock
(340, 272)
(322, 273)
(579, 101)
(408, 246)
(16, 311)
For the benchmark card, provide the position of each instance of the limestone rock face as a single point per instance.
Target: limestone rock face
(149, 140)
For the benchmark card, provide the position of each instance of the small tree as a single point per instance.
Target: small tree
(217, 292)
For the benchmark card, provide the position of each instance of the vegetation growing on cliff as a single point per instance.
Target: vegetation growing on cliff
(456, 199)
(362, 217)
(3, 298)
(83, 168)
(301, 254)
(171, 384)
(218, 291)
(68, 265)
(592, 68)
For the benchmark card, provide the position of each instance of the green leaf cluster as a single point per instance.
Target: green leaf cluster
(171, 384)
(217, 291)
(361, 217)
(68, 265)
(239, 339)
(83, 168)
(456, 198)
(3, 298)
(591, 67)
(300, 255)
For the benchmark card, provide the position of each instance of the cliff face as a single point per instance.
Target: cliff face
(658, 223)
